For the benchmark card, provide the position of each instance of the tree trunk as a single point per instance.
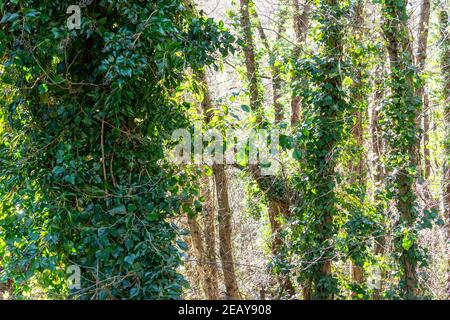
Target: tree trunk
(301, 22)
(225, 231)
(224, 210)
(403, 117)
(199, 254)
(378, 173)
(357, 165)
(209, 234)
(276, 208)
(250, 59)
(274, 67)
(324, 163)
(420, 91)
(445, 67)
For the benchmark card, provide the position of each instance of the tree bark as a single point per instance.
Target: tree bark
(209, 234)
(274, 67)
(378, 173)
(357, 166)
(301, 22)
(250, 59)
(420, 91)
(399, 48)
(225, 232)
(224, 210)
(445, 67)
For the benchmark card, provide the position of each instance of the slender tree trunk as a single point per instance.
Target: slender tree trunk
(276, 208)
(274, 66)
(199, 254)
(301, 22)
(378, 173)
(357, 166)
(420, 91)
(224, 210)
(445, 67)
(209, 236)
(225, 232)
(250, 58)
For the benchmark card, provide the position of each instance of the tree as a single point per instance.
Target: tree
(275, 189)
(301, 21)
(85, 180)
(400, 127)
(445, 69)
(325, 108)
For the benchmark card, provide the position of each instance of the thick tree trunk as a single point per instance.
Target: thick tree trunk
(399, 48)
(325, 164)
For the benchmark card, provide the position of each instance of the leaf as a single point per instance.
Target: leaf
(134, 292)
(58, 170)
(118, 210)
(10, 17)
(43, 88)
(152, 217)
(297, 154)
(130, 259)
(131, 208)
(245, 107)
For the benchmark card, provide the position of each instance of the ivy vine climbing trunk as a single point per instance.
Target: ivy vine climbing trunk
(278, 204)
(301, 22)
(357, 165)
(333, 50)
(378, 173)
(421, 89)
(325, 110)
(445, 69)
(99, 105)
(202, 230)
(400, 127)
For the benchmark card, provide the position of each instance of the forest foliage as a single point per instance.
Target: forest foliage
(358, 206)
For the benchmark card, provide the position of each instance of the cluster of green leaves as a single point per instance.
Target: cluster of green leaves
(84, 179)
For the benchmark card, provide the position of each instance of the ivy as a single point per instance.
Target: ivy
(84, 179)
